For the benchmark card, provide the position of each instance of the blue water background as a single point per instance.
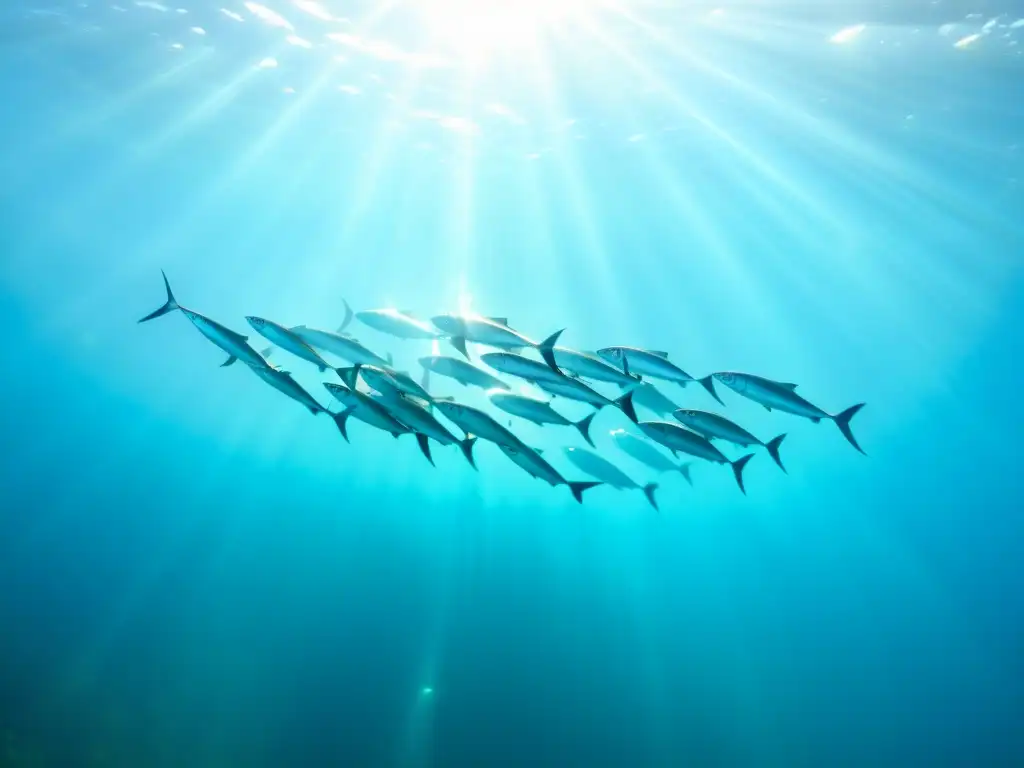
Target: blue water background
(196, 571)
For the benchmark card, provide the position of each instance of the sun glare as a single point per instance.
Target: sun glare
(475, 29)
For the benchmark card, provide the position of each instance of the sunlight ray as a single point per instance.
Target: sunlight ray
(595, 254)
(84, 123)
(689, 110)
(203, 111)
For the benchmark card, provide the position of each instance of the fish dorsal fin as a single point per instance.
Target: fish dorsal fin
(447, 399)
(499, 320)
(787, 385)
(390, 359)
(295, 328)
(407, 313)
(662, 355)
(539, 451)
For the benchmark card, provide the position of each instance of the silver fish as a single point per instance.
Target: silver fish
(538, 411)
(288, 340)
(234, 344)
(478, 423)
(679, 438)
(419, 419)
(590, 366)
(713, 426)
(463, 372)
(534, 464)
(652, 398)
(381, 379)
(646, 362)
(396, 323)
(521, 367)
(782, 396)
(282, 381)
(493, 332)
(340, 344)
(603, 470)
(364, 408)
(574, 389)
(643, 451)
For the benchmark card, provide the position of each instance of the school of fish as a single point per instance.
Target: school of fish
(370, 389)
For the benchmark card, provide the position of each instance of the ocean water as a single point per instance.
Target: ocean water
(194, 571)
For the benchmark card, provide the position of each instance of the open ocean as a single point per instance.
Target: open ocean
(197, 572)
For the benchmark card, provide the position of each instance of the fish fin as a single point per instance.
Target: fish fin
(625, 365)
(445, 399)
(169, 306)
(349, 375)
(684, 470)
(649, 490)
(316, 410)
(424, 445)
(577, 489)
(466, 446)
(297, 328)
(737, 469)
(460, 344)
(407, 312)
(773, 449)
(625, 404)
(662, 355)
(349, 314)
(842, 421)
(787, 385)
(390, 359)
(769, 409)
(539, 451)
(499, 320)
(547, 350)
(814, 419)
(341, 419)
(425, 379)
(321, 368)
(708, 382)
(230, 361)
(583, 425)
(268, 351)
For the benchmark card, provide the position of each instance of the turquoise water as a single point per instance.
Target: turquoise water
(196, 571)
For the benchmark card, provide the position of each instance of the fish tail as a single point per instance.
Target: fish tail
(577, 489)
(583, 425)
(349, 314)
(467, 449)
(773, 448)
(684, 470)
(737, 469)
(341, 419)
(625, 404)
(170, 306)
(708, 382)
(842, 421)
(649, 490)
(230, 361)
(349, 375)
(547, 350)
(424, 445)
(459, 342)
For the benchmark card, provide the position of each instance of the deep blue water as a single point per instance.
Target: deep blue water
(196, 571)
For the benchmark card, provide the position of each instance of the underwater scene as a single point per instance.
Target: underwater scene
(511, 383)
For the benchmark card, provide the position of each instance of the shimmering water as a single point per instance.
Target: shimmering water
(196, 571)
